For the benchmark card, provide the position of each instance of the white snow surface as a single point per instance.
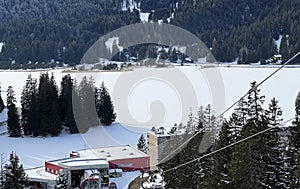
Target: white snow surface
(126, 179)
(1, 45)
(33, 152)
(144, 16)
(146, 91)
(278, 42)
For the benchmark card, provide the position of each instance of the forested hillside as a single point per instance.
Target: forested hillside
(245, 29)
(61, 31)
(41, 31)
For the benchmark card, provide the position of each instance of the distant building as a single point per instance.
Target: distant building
(124, 157)
(45, 177)
(97, 160)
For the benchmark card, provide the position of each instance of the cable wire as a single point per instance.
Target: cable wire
(228, 146)
(259, 84)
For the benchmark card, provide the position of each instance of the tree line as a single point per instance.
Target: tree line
(47, 110)
(56, 32)
(268, 160)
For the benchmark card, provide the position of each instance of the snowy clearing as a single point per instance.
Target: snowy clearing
(33, 152)
(150, 96)
(149, 92)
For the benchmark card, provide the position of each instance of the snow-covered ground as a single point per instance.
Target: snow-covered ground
(150, 97)
(33, 152)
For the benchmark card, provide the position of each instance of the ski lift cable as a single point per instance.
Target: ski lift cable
(230, 145)
(230, 107)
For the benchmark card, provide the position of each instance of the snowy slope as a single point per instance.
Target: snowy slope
(33, 152)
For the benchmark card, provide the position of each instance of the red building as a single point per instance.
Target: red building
(124, 157)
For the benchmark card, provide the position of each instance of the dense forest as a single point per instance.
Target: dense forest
(251, 150)
(47, 33)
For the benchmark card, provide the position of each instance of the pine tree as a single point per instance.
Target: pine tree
(2, 106)
(66, 104)
(104, 107)
(63, 181)
(190, 124)
(15, 177)
(295, 142)
(248, 166)
(142, 145)
(238, 120)
(200, 121)
(296, 174)
(278, 169)
(55, 127)
(222, 158)
(34, 116)
(13, 124)
(87, 108)
(28, 93)
(44, 102)
(11, 99)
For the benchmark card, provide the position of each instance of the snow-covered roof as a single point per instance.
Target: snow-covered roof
(159, 133)
(40, 175)
(79, 163)
(112, 153)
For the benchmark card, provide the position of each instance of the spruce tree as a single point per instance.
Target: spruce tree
(54, 127)
(15, 177)
(190, 124)
(295, 141)
(62, 181)
(11, 99)
(104, 107)
(66, 104)
(28, 93)
(296, 174)
(142, 145)
(86, 94)
(44, 102)
(220, 178)
(200, 121)
(34, 116)
(13, 123)
(2, 106)
(278, 168)
(248, 165)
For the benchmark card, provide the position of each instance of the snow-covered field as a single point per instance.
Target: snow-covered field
(150, 97)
